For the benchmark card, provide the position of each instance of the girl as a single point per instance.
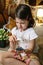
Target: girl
(22, 41)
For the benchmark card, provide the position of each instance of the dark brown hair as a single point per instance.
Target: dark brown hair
(23, 12)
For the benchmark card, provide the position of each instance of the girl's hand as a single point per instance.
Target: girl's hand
(12, 39)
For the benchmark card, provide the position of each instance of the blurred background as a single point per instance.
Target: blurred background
(7, 18)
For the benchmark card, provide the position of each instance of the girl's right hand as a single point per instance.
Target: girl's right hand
(12, 39)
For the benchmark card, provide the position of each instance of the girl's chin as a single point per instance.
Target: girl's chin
(21, 30)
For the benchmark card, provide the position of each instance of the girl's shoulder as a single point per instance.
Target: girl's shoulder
(29, 30)
(32, 33)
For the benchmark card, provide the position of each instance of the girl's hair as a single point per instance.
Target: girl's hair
(23, 12)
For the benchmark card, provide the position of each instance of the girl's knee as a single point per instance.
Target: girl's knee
(34, 62)
(1, 58)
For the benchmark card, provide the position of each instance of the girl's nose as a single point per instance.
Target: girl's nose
(20, 25)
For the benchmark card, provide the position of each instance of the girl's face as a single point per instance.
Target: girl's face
(21, 24)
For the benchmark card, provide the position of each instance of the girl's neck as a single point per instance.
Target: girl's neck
(22, 30)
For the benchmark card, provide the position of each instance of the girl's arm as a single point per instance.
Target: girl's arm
(12, 40)
(31, 46)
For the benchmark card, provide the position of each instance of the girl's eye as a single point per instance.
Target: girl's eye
(20, 23)
(16, 22)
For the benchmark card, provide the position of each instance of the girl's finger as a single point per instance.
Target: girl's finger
(14, 37)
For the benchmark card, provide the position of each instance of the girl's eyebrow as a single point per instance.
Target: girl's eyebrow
(23, 21)
(20, 22)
